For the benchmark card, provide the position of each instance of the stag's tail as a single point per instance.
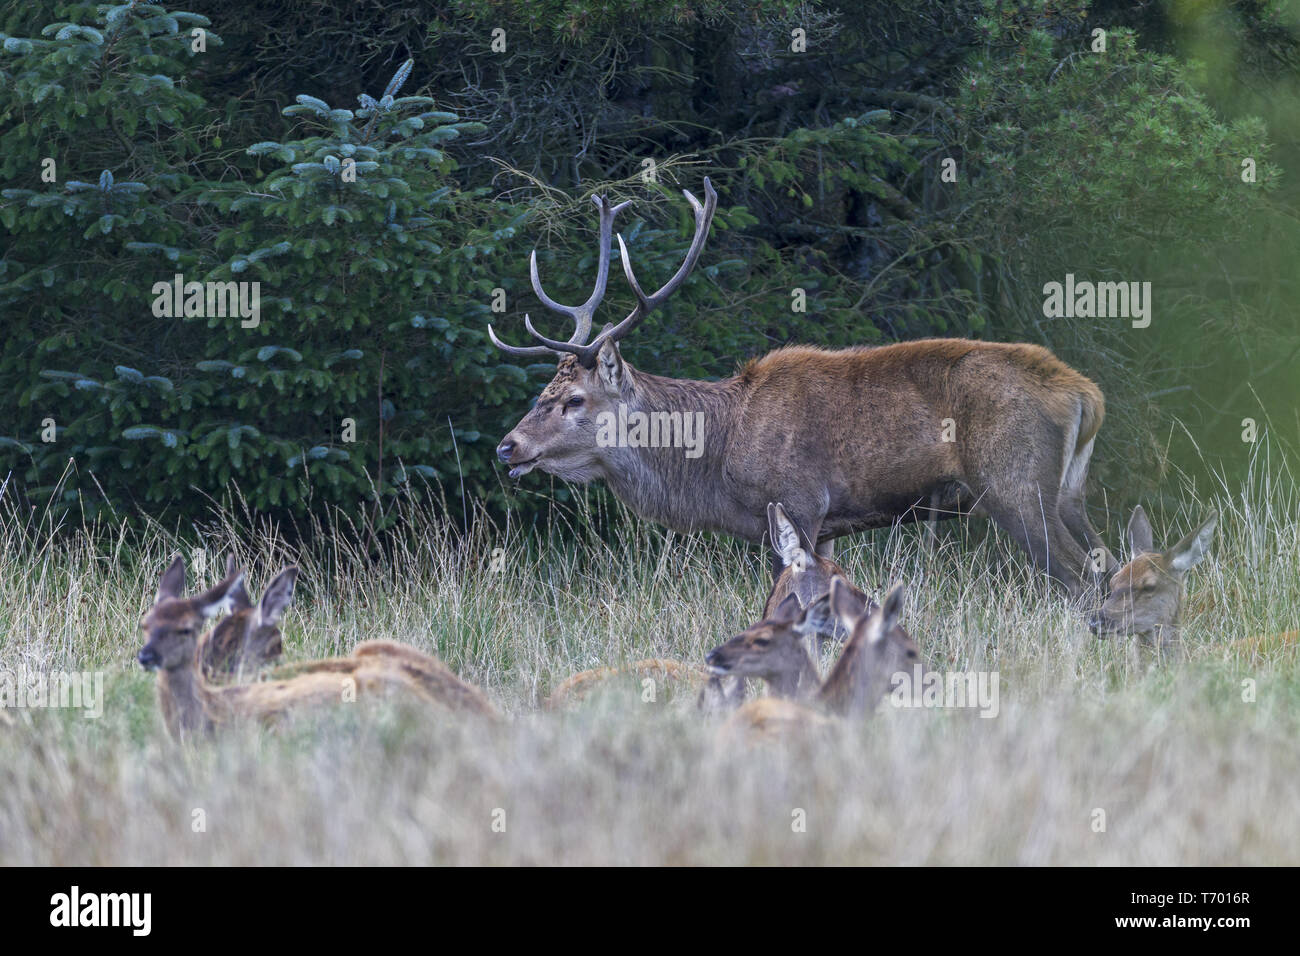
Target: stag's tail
(1092, 412)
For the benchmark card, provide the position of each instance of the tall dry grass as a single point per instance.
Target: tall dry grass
(1184, 768)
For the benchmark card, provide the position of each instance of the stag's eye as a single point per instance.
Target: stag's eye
(762, 641)
(575, 401)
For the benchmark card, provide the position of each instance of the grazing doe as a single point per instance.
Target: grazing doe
(876, 650)
(1146, 595)
(192, 705)
(847, 440)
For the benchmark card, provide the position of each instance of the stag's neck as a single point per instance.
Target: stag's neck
(681, 487)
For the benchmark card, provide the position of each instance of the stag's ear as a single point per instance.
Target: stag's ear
(609, 367)
(817, 618)
(788, 611)
(172, 582)
(787, 542)
(1189, 552)
(1140, 539)
(277, 596)
(221, 597)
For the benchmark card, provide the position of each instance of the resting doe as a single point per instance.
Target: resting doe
(192, 705)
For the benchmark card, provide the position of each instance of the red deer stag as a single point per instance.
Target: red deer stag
(846, 440)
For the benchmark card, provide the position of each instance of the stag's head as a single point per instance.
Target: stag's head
(1146, 595)
(559, 435)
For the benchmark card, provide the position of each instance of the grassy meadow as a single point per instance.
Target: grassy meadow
(1185, 769)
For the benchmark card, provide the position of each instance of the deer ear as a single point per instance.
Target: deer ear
(892, 608)
(786, 540)
(847, 606)
(788, 610)
(172, 582)
(239, 596)
(221, 597)
(609, 367)
(1189, 552)
(817, 618)
(277, 596)
(1140, 539)
(239, 599)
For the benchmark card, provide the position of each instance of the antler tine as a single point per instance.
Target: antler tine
(646, 304)
(553, 344)
(581, 314)
(526, 351)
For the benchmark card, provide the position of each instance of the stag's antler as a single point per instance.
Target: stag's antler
(577, 344)
(581, 314)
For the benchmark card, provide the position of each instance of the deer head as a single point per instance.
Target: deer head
(559, 435)
(172, 626)
(877, 649)
(1146, 595)
(237, 644)
(250, 636)
(804, 573)
(773, 649)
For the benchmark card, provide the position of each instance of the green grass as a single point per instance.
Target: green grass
(1185, 769)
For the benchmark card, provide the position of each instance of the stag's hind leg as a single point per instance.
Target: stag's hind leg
(1074, 512)
(1031, 516)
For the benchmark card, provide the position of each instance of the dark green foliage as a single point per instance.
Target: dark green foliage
(382, 170)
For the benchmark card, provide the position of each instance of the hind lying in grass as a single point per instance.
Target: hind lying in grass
(191, 704)
(877, 649)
